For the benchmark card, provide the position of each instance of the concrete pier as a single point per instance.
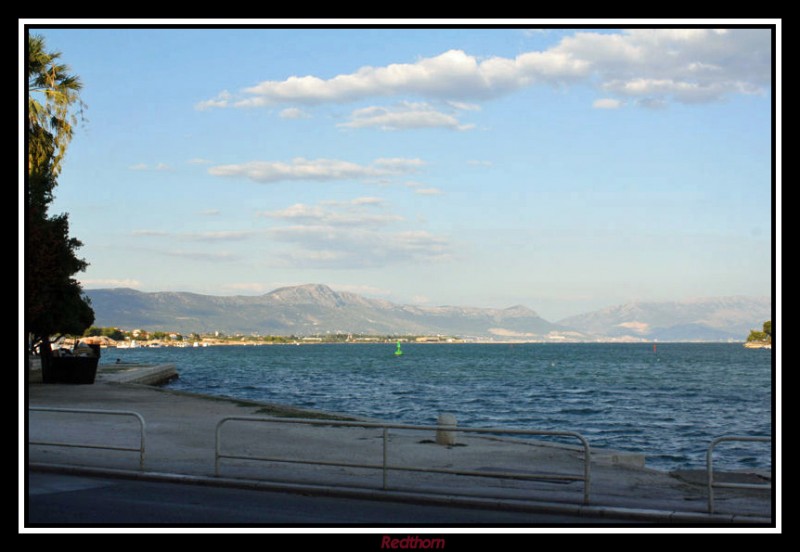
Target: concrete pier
(145, 374)
(181, 428)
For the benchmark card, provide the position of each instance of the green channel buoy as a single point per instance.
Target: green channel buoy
(398, 351)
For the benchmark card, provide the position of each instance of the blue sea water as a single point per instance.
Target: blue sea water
(667, 404)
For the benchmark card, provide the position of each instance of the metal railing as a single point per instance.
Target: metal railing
(140, 449)
(386, 467)
(710, 469)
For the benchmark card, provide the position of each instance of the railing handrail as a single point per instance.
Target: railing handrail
(586, 477)
(140, 449)
(710, 467)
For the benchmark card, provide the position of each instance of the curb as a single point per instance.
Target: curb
(634, 514)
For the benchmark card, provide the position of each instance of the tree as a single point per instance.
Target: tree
(54, 104)
(54, 301)
(765, 335)
(114, 333)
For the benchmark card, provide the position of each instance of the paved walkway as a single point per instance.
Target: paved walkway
(180, 444)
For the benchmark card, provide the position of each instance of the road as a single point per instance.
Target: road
(61, 500)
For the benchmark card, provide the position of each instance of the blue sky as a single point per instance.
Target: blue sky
(562, 169)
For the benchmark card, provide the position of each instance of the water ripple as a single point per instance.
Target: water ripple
(668, 407)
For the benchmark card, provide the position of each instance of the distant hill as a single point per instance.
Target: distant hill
(317, 309)
(707, 319)
(305, 310)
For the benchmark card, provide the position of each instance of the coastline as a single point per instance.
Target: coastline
(180, 437)
(758, 345)
(215, 342)
(378, 385)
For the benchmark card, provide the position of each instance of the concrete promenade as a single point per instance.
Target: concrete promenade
(180, 446)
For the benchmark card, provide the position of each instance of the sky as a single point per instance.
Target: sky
(564, 169)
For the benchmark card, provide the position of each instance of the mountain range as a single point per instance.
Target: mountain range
(315, 309)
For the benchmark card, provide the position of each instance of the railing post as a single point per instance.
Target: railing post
(141, 445)
(587, 473)
(384, 465)
(710, 468)
(710, 474)
(217, 446)
(135, 415)
(385, 456)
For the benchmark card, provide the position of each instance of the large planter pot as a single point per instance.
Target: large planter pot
(70, 369)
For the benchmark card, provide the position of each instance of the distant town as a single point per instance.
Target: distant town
(122, 339)
(113, 337)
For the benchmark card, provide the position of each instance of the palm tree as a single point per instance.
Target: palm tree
(54, 104)
(54, 300)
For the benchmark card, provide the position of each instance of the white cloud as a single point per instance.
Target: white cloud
(293, 113)
(428, 191)
(220, 100)
(683, 65)
(203, 256)
(222, 235)
(146, 167)
(150, 233)
(316, 169)
(404, 116)
(361, 232)
(453, 75)
(354, 247)
(607, 103)
(359, 212)
(421, 189)
(367, 201)
(464, 106)
(110, 282)
(399, 165)
(350, 234)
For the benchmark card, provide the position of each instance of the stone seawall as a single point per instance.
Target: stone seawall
(144, 374)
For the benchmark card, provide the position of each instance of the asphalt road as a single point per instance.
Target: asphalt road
(59, 501)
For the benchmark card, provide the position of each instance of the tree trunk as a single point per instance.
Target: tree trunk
(45, 352)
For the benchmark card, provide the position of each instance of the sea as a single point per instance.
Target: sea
(666, 401)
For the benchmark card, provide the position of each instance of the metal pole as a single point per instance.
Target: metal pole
(586, 477)
(587, 460)
(385, 455)
(710, 474)
(141, 450)
(131, 413)
(217, 447)
(710, 468)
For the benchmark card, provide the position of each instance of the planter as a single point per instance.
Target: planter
(71, 369)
